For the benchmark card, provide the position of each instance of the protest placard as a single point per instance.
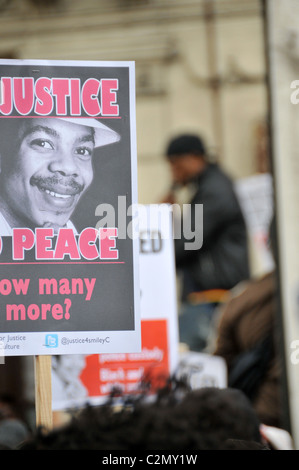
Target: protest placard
(90, 378)
(202, 370)
(68, 253)
(255, 195)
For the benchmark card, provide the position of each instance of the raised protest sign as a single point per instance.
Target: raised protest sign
(68, 158)
(255, 195)
(202, 370)
(90, 378)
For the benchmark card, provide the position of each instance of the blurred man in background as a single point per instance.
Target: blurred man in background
(221, 262)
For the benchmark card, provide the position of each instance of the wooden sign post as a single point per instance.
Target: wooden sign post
(43, 392)
(52, 275)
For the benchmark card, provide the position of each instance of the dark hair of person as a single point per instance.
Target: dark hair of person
(175, 419)
(186, 144)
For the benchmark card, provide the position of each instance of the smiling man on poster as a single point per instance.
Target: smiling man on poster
(46, 166)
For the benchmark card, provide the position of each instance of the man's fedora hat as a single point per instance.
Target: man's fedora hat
(104, 135)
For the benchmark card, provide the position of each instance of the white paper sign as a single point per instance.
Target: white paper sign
(78, 379)
(69, 282)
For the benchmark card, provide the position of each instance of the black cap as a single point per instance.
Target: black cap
(184, 144)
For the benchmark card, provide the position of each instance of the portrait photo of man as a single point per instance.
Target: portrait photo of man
(46, 167)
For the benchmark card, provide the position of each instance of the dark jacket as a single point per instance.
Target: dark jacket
(222, 261)
(244, 322)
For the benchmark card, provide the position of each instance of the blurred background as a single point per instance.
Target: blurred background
(200, 67)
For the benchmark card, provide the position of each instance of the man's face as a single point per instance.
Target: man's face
(184, 167)
(46, 175)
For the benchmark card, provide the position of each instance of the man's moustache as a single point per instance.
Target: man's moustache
(57, 183)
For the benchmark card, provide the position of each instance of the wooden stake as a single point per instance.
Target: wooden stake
(43, 392)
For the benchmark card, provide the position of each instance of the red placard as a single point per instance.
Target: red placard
(104, 372)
